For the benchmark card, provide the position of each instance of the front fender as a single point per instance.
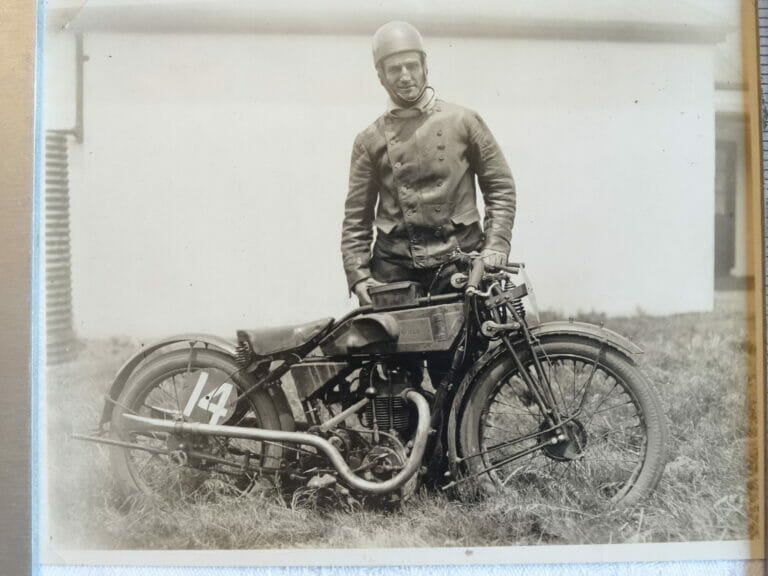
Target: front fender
(590, 331)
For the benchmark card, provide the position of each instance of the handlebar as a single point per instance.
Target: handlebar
(476, 273)
(478, 268)
(511, 267)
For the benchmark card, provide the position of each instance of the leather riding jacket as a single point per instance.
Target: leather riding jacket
(413, 178)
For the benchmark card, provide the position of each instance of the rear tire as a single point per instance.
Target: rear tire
(616, 447)
(154, 391)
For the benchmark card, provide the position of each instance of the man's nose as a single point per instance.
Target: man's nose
(404, 73)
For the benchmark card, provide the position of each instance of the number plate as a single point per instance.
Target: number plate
(207, 396)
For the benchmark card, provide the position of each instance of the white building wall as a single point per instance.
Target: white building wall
(59, 81)
(208, 192)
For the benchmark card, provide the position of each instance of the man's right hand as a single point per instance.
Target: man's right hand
(361, 290)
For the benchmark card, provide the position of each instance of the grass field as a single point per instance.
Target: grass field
(698, 363)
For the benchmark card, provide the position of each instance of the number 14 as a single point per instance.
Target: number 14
(214, 402)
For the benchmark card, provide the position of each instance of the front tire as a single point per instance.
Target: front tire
(157, 391)
(616, 429)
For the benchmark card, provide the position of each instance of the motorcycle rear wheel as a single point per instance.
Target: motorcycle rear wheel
(154, 392)
(615, 451)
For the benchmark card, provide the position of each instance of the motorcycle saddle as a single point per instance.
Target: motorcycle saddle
(268, 341)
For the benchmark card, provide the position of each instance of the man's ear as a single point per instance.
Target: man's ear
(380, 75)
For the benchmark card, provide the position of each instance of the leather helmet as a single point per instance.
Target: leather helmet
(394, 37)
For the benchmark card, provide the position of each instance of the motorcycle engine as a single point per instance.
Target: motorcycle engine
(388, 410)
(378, 448)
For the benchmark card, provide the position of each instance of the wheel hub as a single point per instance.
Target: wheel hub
(179, 448)
(569, 448)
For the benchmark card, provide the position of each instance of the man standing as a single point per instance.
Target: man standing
(412, 177)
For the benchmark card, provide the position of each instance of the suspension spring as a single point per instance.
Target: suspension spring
(517, 305)
(243, 353)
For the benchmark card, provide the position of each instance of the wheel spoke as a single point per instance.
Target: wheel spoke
(607, 395)
(581, 398)
(158, 394)
(605, 431)
(573, 385)
(488, 425)
(557, 382)
(176, 394)
(630, 401)
(609, 460)
(507, 413)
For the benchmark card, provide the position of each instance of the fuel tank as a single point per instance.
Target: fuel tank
(420, 329)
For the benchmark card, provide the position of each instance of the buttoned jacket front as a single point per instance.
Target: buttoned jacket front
(413, 179)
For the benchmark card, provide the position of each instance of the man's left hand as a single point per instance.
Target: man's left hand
(493, 258)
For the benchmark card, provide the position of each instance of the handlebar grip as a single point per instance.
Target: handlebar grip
(476, 275)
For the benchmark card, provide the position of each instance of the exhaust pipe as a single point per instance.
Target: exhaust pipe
(411, 466)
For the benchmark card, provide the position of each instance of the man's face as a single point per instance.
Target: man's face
(404, 74)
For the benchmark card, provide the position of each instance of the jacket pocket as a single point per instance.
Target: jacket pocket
(467, 217)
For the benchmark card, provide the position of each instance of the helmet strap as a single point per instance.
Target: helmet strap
(405, 103)
(402, 102)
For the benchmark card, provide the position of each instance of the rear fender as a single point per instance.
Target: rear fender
(228, 347)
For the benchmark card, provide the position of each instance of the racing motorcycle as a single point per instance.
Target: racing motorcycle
(342, 407)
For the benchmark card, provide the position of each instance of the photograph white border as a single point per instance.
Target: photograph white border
(696, 551)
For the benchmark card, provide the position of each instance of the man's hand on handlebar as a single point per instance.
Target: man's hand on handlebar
(493, 258)
(361, 290)
(479, 263)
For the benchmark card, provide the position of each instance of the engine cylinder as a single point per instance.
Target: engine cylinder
(388, 413)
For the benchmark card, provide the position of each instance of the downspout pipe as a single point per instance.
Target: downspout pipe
(80, 59)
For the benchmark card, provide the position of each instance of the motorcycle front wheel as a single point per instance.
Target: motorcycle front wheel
(180, 466)
(610, 446)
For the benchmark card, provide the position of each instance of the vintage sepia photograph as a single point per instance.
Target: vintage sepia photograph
(336, 276)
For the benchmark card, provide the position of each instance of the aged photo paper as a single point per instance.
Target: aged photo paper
(17, 85)
(196, 179)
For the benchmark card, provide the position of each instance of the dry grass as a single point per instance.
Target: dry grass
(697, 362)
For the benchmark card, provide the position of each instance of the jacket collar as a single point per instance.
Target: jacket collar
(421, 106)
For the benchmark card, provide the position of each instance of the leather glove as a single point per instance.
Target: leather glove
(361, 290)
(493, 257)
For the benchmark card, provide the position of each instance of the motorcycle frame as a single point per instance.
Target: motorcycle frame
(513, 340)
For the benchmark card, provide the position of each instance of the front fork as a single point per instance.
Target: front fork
(539, 384)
